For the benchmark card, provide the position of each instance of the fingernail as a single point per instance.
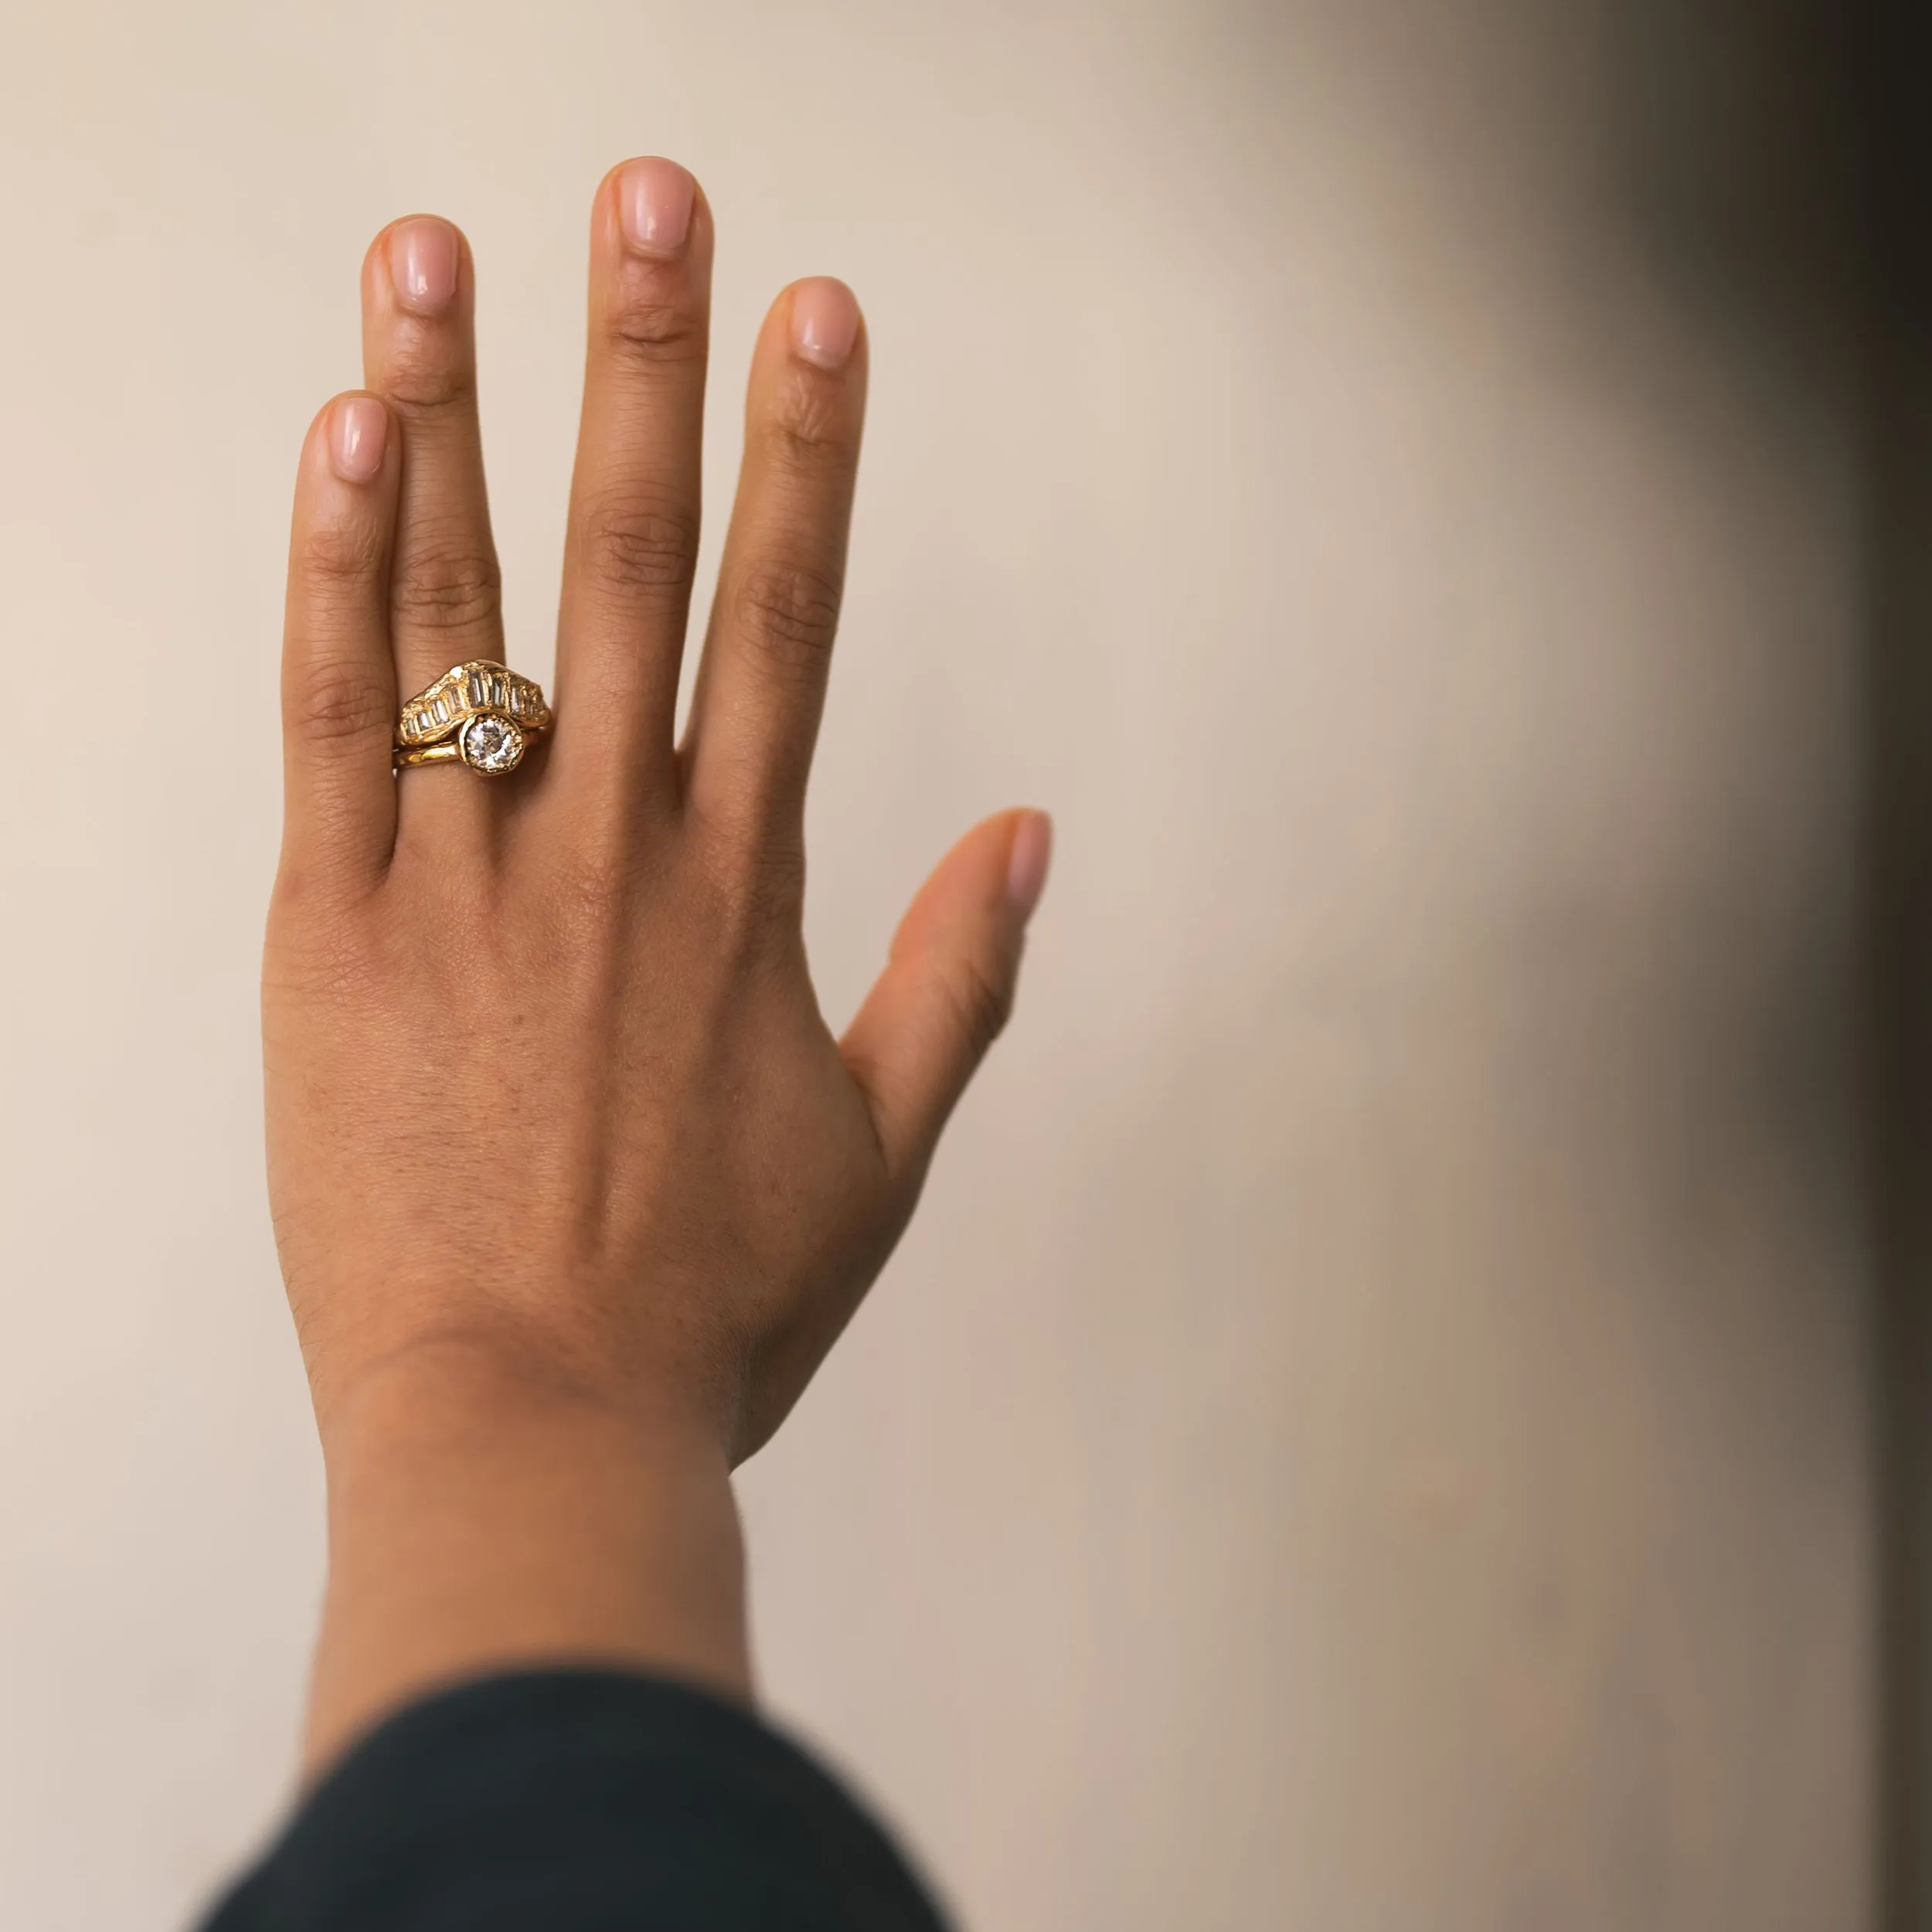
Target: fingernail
(654, 204)
(357, 434)
(422, 264)
(1026, 863)
(825, 322)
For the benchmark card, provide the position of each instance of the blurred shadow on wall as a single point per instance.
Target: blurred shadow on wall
(1781, 181)
(1784, 184)
(1814, 227)
(1894, 98)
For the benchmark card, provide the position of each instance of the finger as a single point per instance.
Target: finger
(632, 544)
(419, 353)
(338, 680)
(948, 990)
(762, 684)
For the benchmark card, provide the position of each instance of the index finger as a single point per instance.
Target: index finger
(761, 683)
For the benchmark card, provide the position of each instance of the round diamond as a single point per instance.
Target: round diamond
(491, 745)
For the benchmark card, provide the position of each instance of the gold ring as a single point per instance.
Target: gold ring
(480, 714)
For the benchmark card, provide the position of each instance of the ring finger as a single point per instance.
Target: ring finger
(419, 352)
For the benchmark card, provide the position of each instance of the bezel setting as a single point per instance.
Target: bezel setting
(492, 744)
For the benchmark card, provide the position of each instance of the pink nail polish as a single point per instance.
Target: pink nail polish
(1027, 862)
(357, 434)
(825, 322)
(422, 264)
(654, 205)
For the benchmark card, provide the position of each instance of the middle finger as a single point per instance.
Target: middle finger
(632, 545)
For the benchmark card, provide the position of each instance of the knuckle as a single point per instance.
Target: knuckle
(310, 933)
(449, 584)
(425, 381)
(788, 614)
(752, 887)
(982, 1003)
(653, 334)
(310, 952)
(589, 892)
(334, 699)
(809, 430)
(347, 553)
(640, 549)
(767, 897)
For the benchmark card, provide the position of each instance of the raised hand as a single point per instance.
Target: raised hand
(573, 1185)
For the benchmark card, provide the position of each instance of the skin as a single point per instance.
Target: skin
(574, 1187)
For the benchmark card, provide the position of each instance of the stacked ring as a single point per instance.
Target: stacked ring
(481, 714)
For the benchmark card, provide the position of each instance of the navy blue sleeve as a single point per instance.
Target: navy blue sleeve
(578, 1801)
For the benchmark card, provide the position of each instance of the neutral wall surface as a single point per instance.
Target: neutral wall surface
(1368, 1431)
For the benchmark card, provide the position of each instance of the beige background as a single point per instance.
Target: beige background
(1369, 1430)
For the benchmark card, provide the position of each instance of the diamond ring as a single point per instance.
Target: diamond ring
(482, 714)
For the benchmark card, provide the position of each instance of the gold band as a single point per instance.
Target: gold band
(448, 752)
(481, 714)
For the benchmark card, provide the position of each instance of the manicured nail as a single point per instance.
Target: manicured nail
(825, 322)
(654, 204)
(421, 263)
(357, 434)
(1026, 863)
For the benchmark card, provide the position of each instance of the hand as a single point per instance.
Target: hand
(572, 1186)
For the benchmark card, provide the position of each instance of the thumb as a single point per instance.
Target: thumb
(948, 988)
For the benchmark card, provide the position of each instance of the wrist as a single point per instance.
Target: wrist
(400, 1396)
(484, 1516)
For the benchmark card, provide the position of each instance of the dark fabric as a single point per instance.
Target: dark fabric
(578, 1801)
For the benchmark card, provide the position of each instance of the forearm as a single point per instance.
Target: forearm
(481, 1517)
